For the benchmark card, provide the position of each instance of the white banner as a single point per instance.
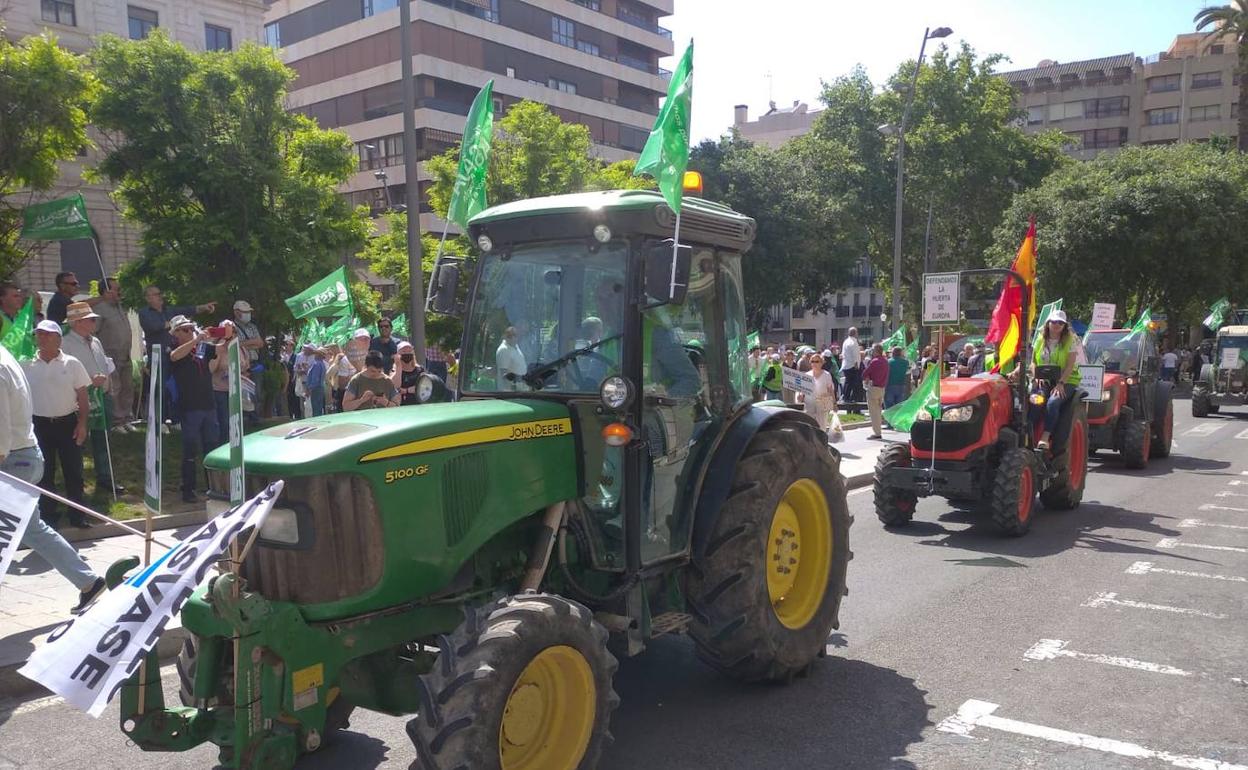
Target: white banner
(940, 298)
(1102, 316)
(17, 505)
(800, 382)
(87, 660)
(155, 390)
(1230, 358)
(1091, 381)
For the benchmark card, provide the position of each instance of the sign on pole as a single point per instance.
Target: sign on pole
(799, 382)
(1230, 358)
(940, 299)
(151, 483)
(237, 485)
(1091, 381)
(1102, 316)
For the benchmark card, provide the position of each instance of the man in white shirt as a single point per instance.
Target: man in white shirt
(1169, 364)
(82, 344)
(58, 390)
(851, 366)
(510, 363)
(20, 457)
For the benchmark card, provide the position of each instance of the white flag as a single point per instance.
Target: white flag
(87, 660)
(17, 505)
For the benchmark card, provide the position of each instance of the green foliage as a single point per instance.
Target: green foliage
(1161, 227)
(619, 176)
(1232, 20)
(44, 91)
(238, 198)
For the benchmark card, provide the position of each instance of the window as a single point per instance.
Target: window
(381, 152)
(563, 31)
(59, 12)
(511, 72)
(218, 38)
(1035, 115)
(1106, 108)
(497, 104)
(142, 21)
(1210, 112)
(561, 85)
(371, 7)
(272, 35)
(1163, 83)
(1105, 138)
(1163, 117)
(1065, 111)
(797, 311)
(592, 5)
(1217, 50)
(589, 48)
(1206, 80)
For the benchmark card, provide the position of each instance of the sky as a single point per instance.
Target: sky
(755, 51)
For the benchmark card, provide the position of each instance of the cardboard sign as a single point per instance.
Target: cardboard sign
(1102, 316)
(799, 382)
(940, 298)
(1230, 358)
(17, 505)
(1091, 380)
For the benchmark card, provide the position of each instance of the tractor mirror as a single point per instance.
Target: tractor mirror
(445, 283)
(667, 272)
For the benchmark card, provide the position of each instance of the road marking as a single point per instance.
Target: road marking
(978, 713)
(1230, 494)
(1173, 542)
(1107, 598)
(1199, 523)
(1050, 649)
(1211, 507)
(1238, 483)
(1204, 429)
(1145, 567)
(1242, 435)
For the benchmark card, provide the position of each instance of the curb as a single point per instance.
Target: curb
(14, 685)
(164, 521)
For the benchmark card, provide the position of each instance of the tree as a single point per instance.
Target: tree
(1232, 20)
(238, 198)
(1159, 227)
(44, 91)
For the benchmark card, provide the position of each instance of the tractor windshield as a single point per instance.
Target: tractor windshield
(1226, 343)
(546, 316)
(1113, 350)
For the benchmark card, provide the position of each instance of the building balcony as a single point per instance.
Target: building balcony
(637, 21)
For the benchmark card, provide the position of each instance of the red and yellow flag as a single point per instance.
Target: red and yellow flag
(1008, 319)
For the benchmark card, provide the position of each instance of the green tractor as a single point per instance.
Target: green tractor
(479, 565)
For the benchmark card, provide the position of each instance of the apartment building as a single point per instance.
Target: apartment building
(197, 24)
(1187, 93)
(775, 126)
(593, 62)
(860, 305)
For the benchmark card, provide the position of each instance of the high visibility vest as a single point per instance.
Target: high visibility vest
(1057, 356)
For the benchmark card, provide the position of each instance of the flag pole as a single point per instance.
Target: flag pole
(671, 291)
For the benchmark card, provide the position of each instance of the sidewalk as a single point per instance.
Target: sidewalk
(858, 453)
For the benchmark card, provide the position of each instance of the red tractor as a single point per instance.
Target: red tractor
(983, 450)
(1135, 416)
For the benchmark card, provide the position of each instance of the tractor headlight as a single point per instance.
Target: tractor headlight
(281, 526)
(430, 388)
(616, 392)
(958, 413)
(1107, 395)
(484, 243)
(602, 233)
(1038, 399)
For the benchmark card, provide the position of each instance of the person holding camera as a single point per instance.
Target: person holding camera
(190, 360)
(371, 388)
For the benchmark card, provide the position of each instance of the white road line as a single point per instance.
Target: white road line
(1050, 649)
(1242, 435)
(1204, 429)
(1211, 507)
(1173, 542)
(1108, 598)
(1230, 494)
(1237, 483)
(978, 713)
(1199, 523)
(1145, 567)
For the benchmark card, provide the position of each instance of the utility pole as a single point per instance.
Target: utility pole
(415, 283)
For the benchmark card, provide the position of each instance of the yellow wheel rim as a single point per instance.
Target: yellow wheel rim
(799, 554)
(549, 716)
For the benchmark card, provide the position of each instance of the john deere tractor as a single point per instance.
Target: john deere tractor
(1224, 380)
(478, 566)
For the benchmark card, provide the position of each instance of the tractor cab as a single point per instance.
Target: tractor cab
(1223, 380)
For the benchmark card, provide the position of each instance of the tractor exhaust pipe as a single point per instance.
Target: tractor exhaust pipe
(539, 557)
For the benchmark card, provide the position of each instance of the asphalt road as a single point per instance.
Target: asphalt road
(1112, 636)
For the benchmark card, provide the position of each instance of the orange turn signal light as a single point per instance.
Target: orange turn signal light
(617, 434)
(691, 183)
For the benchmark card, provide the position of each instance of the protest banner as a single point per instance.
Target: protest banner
(17, 505)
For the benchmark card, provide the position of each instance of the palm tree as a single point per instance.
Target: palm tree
(1232, 20)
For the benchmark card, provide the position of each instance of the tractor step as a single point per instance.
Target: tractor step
(669, 623)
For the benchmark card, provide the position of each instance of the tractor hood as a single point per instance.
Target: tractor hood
(343, 442)
(963, 390)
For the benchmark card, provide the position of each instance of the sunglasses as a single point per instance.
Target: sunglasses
(70, 283)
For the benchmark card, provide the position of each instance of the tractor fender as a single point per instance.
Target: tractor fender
(717, 478)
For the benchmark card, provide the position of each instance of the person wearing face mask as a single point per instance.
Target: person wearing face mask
(406, 373)
(249, 338)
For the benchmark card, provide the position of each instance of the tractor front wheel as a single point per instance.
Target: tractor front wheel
(894, 507)
(1135, 444)
(1200, 402)
(766, 592)
(1163, 431)
(1013, 499)
(524, 684)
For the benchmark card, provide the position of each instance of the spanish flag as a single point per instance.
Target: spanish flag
(1008, 319)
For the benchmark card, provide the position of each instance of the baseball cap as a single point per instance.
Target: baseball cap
(178, 321)
(361, 334)
(52, 327)
(405, 345)
(243, 306)
(1058, 315)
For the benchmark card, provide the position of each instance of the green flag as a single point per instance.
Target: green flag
(1217, 314)
(97, 417)
(468, 197)
(896, 340)
(330, 296)
(925, 398)
(339, 332)
(1141, 325)
(751, 340)
(912, 350)
(666, 154)
(64, 219)
(19, 336)
(398, 325)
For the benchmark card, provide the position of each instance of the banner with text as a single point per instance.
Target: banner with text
(87, 660)
(63, 219)
(800, 382)
(151, 479)
(17, 505)
(330, 296)
(237, 484)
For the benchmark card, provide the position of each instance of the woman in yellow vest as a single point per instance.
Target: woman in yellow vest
(1056, 347)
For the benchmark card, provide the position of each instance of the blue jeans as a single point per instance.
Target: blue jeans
(894, 394)
(199, 437)
(317, 397)
(1050, 411)
(27, 465)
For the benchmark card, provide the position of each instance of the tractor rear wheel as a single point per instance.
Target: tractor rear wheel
(894, 507)
(1066, 492)
(1163, 430)
(766, 593)
(524, 684)
(1013, 499)
(1135, 444)
(1200, 402)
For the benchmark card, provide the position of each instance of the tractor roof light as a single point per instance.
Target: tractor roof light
(484, 243)
(691, 183)
(602, 233)
(617, 434)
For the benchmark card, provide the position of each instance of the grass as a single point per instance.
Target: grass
(848, 418)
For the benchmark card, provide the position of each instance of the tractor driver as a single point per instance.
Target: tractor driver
(1057, 348)
(665, 361)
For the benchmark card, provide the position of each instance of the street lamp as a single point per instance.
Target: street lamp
(900, 130)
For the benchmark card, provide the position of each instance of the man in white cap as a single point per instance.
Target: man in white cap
(20, 457)
(82, 344)
(58, 389)
(249, 337)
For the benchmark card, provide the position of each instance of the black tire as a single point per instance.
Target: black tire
(1200, 403)
(464, 696)
(1163, 429)
(1011, 506)
(1136, 444)
(1214, 408)
(735, 627)
(894, 507)
(1062, 494)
